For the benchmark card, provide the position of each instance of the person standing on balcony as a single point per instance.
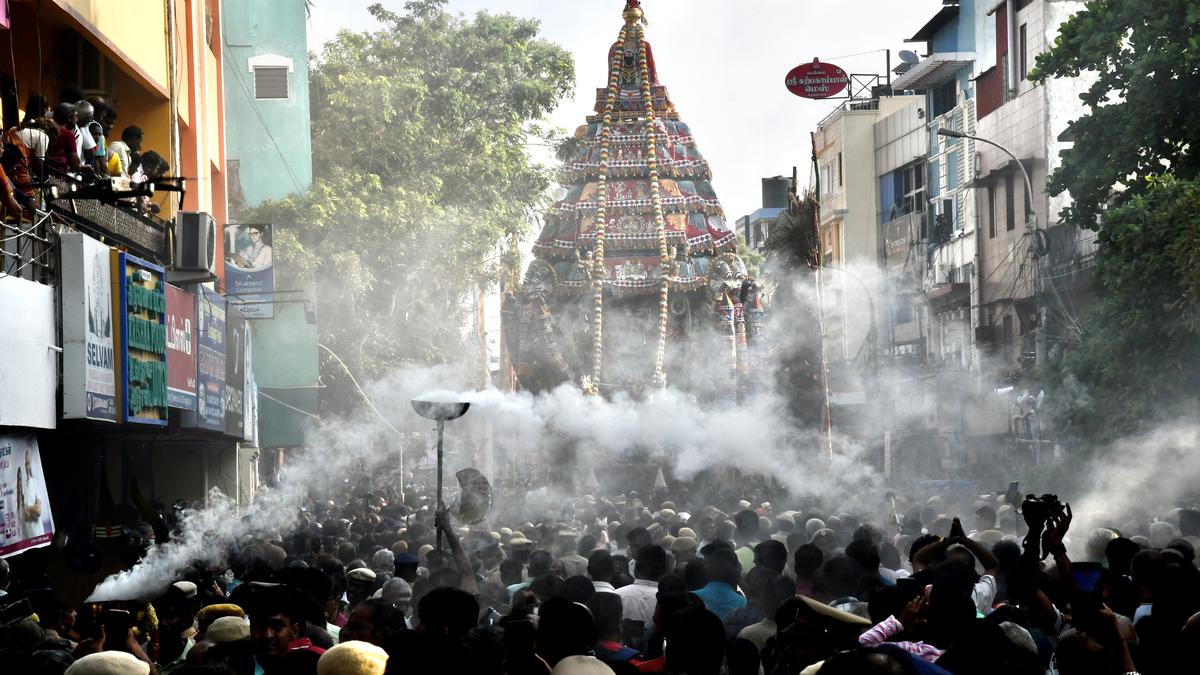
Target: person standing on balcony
(123, 153)
(62, 155)
(85, 144)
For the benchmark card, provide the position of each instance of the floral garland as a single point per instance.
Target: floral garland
(660, 223)
(614, 69)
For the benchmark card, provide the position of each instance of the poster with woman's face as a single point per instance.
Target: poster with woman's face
(249, 272)
(25, 518)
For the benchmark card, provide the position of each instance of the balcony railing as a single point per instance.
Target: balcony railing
(27, 248)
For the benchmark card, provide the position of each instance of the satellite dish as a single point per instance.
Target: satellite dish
(909, 56)
(475, 497)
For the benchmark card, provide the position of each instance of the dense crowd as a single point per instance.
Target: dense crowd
(994, 583)
(71, 143)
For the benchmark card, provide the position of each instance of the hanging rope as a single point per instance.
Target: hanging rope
(598, 272)
(664, 255)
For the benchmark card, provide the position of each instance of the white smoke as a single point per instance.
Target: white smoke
(671, 428)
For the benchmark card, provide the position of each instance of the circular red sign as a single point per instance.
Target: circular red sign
(816, 80)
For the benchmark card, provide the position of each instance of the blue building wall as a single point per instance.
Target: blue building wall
(270, 138)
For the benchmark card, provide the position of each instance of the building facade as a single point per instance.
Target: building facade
(848, 227)
(133, 376)
(268, 131)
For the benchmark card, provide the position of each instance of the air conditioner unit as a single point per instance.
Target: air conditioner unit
(195, 242)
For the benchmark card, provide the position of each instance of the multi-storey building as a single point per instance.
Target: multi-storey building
(86, 264)
(848, 226)
(755, 228)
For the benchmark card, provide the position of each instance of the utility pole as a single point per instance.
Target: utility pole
(1035, 234)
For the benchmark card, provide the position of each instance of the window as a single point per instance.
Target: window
(912, 183)
(991, 212)
(270, 82)
(1010, 203)
(1022, 55)
(271, 73)
(839, 160)
(945, 97)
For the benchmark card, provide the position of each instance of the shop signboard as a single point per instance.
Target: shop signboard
(249, 391)
(249, 273)
(89, 352)
(25, 518)
(235, 369)
(210, 351)
(142, 310)
(181, 349)
(816, 80)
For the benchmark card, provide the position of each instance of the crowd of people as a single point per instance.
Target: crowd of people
(71, 142)
(660, 583)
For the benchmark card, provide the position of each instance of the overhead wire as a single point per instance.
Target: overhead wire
(367, 399)
(286, 405)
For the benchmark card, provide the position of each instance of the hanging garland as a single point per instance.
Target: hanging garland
(598, 271)
(660, 375)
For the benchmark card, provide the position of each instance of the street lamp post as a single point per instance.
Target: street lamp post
(1040, 338)
(441, 411)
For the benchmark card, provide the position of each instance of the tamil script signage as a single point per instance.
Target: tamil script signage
(210, 350)
(249, 273)
(143, 312)
(235, 369)
(816, 80)
(25, 519)
(89, 352)
(181, 349)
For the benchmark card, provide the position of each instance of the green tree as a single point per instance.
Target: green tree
(1142, 113)
(1132, 174)
(1139, 358)
(421, 170)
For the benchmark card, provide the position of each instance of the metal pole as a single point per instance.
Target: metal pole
(440, 428)
(1031, 226)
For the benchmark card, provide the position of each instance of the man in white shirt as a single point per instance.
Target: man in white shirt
(85, 145)
(600, 569)
(639, 599)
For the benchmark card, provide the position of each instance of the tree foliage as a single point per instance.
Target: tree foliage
(420, 167)
(791, 259)
(1143, 110)
(1132, 174)
(1139, 360)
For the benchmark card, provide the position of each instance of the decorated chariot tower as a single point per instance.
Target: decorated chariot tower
(636, 282)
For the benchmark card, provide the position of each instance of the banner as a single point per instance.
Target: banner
(24, 503)
(249, 391)
(29, 366)
(249, 274)
(235, 369)
(89, 361)
(181, 349)
(143, 340)
(210, 351)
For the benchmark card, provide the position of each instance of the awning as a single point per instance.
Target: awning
(944, 16)
(949, 295)
(933, 71)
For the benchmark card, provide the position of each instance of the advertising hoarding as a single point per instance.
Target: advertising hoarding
(210, 352)
(29, 366)
(249, 273)
(235, 372)
(89, 353)
(816, 80)
(142, 310)
(25, 518)
(182, 386)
